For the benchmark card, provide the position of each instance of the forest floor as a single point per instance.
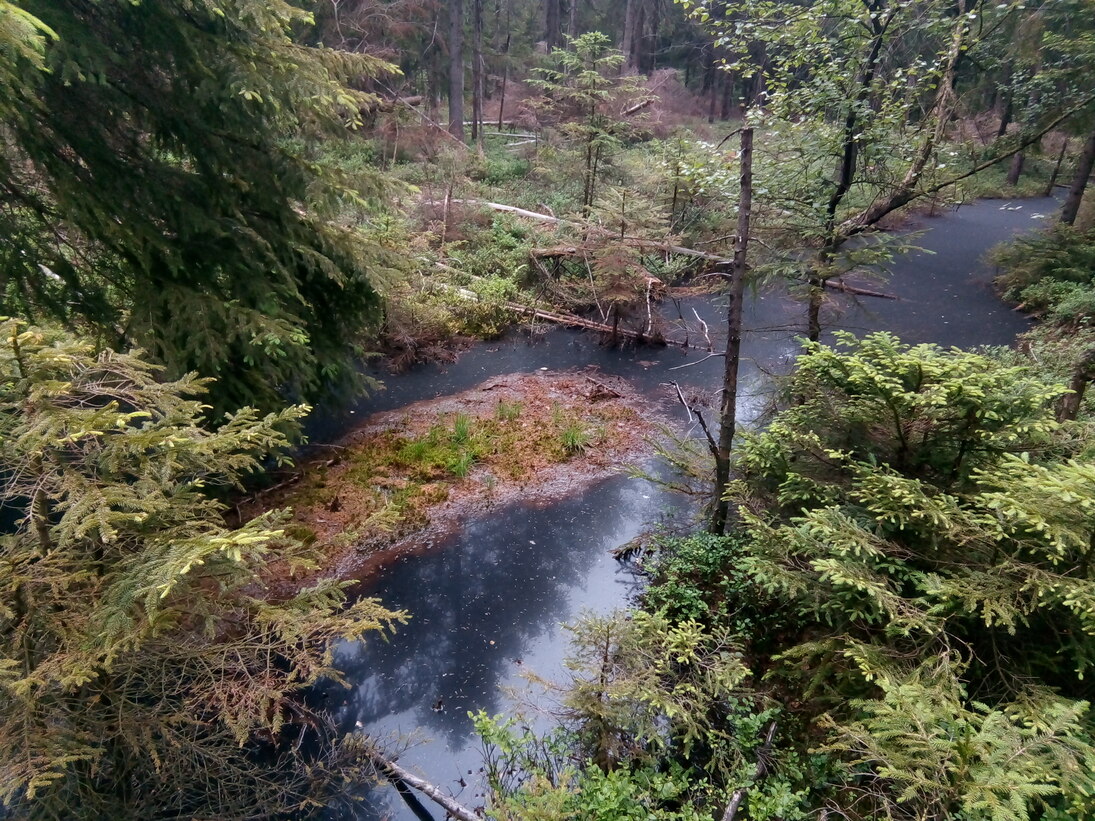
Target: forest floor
(404, 480)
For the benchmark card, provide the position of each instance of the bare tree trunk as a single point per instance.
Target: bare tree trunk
(628, 44)
(728, 82)
(1056, 169)
(714, 95)
(572, 19)
(1008, 107)
(1076, 193)
(728, 417)
(456, 69)
(1068, 406)
(1015, 170)
(477, 72)
(553, 23)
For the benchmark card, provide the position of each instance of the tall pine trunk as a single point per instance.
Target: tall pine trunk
(456, 69)
(553, 23)
(477, 72)
(728, 415)
(1076, 192)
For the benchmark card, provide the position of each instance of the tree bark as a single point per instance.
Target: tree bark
(477, 72)
(1076, 192)
(456, 69)
(1015, 170)
(628, 42)
(553, 23)
(1068, 406)
(1056, 169)
(728, 417)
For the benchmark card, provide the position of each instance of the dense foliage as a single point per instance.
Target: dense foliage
(142, 661)
(1052, 273)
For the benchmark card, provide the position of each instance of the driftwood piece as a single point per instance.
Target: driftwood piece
(602, 391)
(393, 772)
(556, 251)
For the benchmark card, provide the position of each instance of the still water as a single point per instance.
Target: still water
(492, 602)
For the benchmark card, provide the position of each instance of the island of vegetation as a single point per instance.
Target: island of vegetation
(403, 480)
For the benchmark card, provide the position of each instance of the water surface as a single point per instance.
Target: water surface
(492, 602)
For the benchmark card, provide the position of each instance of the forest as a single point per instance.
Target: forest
(250, 248)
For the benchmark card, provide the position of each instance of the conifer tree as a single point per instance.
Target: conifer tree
(155, 187)
(142, 661)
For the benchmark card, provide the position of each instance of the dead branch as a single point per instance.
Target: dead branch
(758, 773)
(694, 411)
(697, 362)
(703, 325)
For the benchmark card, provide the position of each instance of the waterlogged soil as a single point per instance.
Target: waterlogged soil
(404, 480)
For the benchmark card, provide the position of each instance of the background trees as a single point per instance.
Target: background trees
(152, 193)
(141, 657)
(864, 96)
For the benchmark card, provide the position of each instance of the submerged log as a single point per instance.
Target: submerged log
(395, 773)
(841, 285)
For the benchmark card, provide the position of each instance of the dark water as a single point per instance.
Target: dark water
(492, 603)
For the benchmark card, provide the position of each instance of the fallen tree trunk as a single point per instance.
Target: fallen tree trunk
(521, 212)
(840, 285)
(638, 107)
(393, 772)
(562, 319)
(580, 322)
(557, 251)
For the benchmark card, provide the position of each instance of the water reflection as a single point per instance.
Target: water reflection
(484, 608)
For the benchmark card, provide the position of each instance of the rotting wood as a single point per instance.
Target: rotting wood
(601, 390)
(635, 109)
(392, 771)
(844, 287)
